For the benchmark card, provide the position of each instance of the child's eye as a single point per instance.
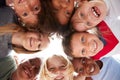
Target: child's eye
(68, 14)
(81, 70)
(24, 14)
(36, 8)
(39, 46)
(81, 14)
(63, 67)
(83, 51)
(82, 39)
(51, 69)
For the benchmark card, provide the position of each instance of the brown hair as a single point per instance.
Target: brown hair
(13, 28)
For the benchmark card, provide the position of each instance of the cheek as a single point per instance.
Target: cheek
(21, 74)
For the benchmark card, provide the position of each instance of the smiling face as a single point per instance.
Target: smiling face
(64, 9)
(85, 66)
(58, 68)
(27, 10)
(89, 14)
(28, 70)
(85, 44)
(33, 41)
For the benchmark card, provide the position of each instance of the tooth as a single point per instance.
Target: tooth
(92, 69)
(95, 14)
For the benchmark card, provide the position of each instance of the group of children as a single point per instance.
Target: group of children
(89, 30)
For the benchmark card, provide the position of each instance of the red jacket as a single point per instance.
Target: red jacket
(111, 40)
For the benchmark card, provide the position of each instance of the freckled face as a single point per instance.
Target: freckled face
(86, 67)
(89, 14)
(85, 44)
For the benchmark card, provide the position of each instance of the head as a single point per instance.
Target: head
(86, 66)
(30, 41)
(63, 10)
(27, 70)
(27, 11)
(82, 44)
(62, 69)
(89, 14)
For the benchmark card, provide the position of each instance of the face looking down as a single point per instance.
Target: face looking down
(63, 9)
(27, 10)
(85, 44)
(58, 68)
(89, 14)
(28, 70)
(85, 66)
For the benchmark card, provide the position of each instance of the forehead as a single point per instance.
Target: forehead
(58, 59)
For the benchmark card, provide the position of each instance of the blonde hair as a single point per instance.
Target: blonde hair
(13, 28)
(46, 75)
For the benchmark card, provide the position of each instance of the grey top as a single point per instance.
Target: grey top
(7, 15)
(5, 44)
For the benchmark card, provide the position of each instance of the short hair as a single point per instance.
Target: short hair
(66, 43)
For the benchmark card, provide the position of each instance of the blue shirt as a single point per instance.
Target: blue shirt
(110, 69)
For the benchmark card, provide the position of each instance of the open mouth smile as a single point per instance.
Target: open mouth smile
(96, 11)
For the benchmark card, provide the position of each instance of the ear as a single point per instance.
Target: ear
(100, 63)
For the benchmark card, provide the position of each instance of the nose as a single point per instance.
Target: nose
(91, 46)
(57, 72)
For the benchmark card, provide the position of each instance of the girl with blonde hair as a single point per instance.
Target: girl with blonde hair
(61, 69)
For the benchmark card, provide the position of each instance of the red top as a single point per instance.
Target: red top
(111, 40)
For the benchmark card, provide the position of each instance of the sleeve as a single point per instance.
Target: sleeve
(111, 40)
(5, 44)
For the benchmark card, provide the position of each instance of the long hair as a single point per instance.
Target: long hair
(13, 28)
(46, 75)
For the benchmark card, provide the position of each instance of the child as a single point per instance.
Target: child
(27, 70)
(27, 11)
(22, 41)
(61, 70)
(102, 69)
(71, 43)
(90, 13)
